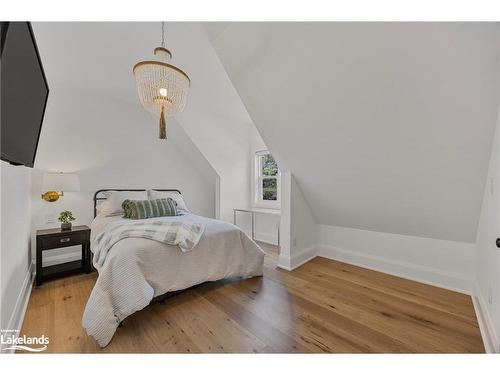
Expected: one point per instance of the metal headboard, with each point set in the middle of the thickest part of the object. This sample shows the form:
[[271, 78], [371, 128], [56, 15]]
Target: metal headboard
[[103, 198]]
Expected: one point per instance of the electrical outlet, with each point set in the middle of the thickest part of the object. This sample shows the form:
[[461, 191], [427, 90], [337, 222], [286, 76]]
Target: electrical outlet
[[49, 219], [490, 295]]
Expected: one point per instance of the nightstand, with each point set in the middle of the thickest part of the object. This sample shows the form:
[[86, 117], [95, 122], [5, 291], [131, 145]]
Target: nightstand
[[48, 239]]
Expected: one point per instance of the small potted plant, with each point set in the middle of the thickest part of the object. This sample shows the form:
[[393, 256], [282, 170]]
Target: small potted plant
[[66, 217]]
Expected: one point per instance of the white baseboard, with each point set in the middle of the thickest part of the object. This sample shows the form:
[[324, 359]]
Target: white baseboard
[[297, 259], [442, 279], [490, 338], [270, 238], [17, 318]]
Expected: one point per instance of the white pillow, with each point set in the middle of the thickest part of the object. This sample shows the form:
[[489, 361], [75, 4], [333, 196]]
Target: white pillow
[[114, 199], [102, 207], [154, 194]]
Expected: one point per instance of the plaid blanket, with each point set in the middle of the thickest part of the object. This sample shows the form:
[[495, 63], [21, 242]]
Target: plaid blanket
[[184, 234]]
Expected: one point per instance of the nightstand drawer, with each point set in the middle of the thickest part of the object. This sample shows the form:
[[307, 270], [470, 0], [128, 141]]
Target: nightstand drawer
[[62, 241]]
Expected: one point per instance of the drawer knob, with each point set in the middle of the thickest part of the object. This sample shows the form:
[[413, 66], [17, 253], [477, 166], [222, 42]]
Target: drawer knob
[[65, 239]]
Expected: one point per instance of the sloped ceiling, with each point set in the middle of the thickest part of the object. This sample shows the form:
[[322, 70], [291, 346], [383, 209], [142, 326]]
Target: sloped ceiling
[[386, 126], [97, 57]]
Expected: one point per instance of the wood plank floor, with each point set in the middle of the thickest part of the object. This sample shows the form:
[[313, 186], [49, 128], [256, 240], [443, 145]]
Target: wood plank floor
[[324, 306]]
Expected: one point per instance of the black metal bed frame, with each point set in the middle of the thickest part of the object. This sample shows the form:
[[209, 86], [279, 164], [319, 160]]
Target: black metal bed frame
[[98, 198]]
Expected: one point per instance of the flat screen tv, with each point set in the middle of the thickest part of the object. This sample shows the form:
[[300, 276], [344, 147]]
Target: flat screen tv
[[23, 95]]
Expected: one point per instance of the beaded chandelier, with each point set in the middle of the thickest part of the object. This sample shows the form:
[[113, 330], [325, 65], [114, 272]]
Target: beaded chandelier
[[162, 87]]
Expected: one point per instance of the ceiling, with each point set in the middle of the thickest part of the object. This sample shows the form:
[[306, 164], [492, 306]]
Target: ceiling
[[99, 56], [214, 29], [386, 126]]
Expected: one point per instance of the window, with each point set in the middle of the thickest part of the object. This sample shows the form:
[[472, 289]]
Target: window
[[267, 180]]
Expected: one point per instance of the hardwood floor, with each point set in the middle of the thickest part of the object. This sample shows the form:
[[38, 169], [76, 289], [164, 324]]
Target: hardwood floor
[[324, 306]]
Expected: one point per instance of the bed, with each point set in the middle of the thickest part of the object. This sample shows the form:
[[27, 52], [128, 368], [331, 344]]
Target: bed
[[136, 270]]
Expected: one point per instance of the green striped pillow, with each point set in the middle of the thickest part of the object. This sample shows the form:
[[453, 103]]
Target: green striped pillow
[[151, 208]]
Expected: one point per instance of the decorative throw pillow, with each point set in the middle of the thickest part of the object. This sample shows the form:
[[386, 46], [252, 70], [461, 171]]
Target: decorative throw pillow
[[113, 204], [149, 208], [181, 205]]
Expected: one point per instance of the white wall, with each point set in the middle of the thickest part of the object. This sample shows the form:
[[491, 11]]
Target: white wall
[[385, 126], [285, 255], [304, 239], [216, 120], [111, 144], [487, 265], [265, 226], [448, 264], [15, 251], [298, 228]]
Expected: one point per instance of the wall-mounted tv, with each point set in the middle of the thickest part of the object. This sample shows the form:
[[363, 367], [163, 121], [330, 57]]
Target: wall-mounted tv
[[23, 94]]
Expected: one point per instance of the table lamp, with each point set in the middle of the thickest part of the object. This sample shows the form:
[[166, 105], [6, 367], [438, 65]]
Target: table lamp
[[55, 184]]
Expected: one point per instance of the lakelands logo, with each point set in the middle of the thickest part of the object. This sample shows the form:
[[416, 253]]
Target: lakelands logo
[[11, 338]]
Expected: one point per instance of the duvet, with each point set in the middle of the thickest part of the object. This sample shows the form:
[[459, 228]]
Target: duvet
[[138, 269]]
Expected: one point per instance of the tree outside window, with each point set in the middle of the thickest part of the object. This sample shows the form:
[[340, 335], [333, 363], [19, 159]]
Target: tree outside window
[[267, 179]]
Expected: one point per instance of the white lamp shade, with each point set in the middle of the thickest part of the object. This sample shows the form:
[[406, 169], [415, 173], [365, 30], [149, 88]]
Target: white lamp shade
[[60, 182]]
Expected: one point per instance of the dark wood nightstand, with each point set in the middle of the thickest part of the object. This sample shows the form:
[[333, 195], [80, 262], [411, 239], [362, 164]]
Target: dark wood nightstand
[[48, 239]]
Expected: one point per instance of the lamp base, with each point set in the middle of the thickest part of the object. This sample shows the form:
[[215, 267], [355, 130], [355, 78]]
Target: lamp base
[[51, 196]]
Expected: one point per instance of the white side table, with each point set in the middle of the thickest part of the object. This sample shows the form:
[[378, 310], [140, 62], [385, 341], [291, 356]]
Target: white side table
[[252, 212]]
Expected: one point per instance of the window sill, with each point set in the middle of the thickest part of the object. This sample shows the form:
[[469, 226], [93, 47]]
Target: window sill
[[264, 211], [275, 207]]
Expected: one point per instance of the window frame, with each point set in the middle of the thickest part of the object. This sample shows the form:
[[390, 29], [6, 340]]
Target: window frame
[[258, 180]]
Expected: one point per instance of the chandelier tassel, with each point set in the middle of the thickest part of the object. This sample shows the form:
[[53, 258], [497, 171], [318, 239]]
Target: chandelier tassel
[[163, 125]]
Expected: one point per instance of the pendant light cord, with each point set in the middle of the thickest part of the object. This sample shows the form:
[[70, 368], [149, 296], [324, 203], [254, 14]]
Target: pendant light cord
[[163, 34]]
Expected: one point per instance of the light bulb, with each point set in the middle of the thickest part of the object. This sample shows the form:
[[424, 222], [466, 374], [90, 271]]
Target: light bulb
[[163, 92]]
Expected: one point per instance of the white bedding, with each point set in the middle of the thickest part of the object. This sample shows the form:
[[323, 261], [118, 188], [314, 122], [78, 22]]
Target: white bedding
[[137, 269]]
